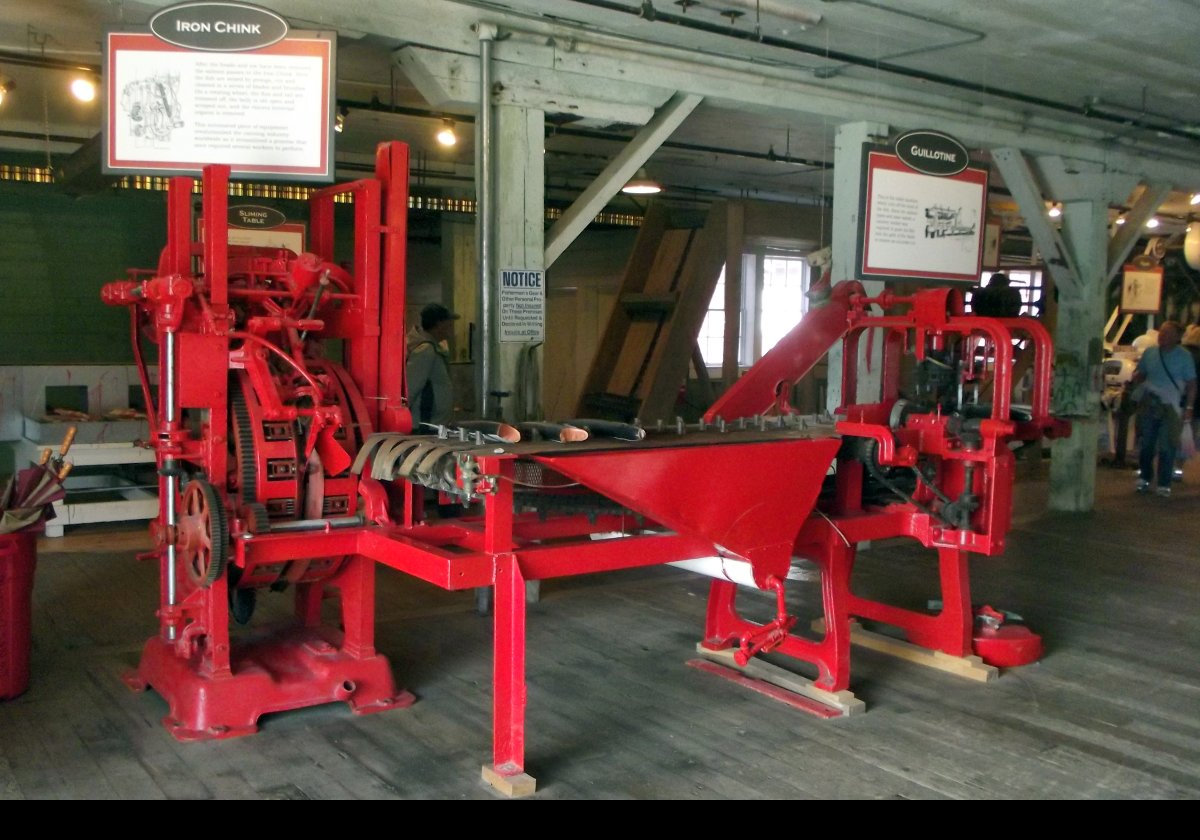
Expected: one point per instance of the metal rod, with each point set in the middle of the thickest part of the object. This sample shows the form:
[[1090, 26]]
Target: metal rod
[[169, 419], [318, 524], [487, 33], [171, 550], [169, 386]]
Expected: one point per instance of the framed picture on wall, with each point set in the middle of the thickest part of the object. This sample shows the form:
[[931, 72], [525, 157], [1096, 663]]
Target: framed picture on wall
[[1141, 289]]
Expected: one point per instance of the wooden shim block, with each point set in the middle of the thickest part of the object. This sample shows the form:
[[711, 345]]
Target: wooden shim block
[[515, 786], [841, 703], [766, 689], [970, 667]]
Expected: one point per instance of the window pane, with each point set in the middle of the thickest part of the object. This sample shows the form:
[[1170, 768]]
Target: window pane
[[785, 280], [712, 330]]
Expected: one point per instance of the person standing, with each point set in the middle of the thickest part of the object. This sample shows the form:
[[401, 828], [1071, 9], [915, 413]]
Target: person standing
[[996, 300], [1191, 343], [430, 392], [1166, 380]]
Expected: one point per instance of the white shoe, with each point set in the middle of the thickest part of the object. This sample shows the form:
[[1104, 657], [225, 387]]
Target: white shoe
[[1162, 491]]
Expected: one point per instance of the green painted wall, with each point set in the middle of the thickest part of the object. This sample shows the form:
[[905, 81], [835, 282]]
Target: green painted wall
[[56, 252]]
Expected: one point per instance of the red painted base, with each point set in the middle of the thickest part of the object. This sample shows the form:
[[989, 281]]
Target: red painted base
[[290, 670], [1008, 645]]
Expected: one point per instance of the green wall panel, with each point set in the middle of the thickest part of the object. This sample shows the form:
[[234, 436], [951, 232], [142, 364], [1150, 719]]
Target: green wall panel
[[56, 254]]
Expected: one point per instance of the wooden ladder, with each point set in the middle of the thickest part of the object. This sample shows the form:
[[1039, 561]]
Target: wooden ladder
[[644, 354]]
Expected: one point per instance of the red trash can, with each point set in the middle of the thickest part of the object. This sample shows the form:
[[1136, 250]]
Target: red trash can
[[18, 557]]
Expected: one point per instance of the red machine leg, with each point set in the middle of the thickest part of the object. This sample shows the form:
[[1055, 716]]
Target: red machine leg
[[831, 655], [948, 631], [507, 772]]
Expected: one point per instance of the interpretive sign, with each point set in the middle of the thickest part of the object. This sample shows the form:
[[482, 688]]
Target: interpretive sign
[[219, 83]]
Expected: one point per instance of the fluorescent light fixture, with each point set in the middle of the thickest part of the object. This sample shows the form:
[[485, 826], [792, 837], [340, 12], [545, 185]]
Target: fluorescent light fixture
[[1055, 211], [642, 184], [1152, 223], [446, 135], [1195, 199], [83, 89], [1120, 220]]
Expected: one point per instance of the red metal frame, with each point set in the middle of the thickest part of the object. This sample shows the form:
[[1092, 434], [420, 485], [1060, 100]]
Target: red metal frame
[[262, 314]]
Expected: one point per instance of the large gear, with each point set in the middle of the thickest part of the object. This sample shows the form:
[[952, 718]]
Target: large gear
[[244, 446], [202, 534]]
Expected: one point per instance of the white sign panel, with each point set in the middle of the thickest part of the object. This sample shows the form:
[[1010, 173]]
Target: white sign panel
[[522, 305], [264, 112], [921, 226]]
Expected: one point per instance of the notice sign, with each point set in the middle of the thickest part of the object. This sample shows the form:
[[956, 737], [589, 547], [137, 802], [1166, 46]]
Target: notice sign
[[522, 305], [916, 225], [173, 107]]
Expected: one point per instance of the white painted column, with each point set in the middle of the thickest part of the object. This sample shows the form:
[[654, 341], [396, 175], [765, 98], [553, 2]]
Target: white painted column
[[1079, 356], [847, 189], [520, 231]]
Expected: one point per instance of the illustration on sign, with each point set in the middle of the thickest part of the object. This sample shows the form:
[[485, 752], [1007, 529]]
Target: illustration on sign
[[942, 221], [522, 305], [151, 106]]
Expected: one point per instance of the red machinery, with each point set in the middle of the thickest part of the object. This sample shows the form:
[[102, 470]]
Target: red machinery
[[255, 428], [254, 431]]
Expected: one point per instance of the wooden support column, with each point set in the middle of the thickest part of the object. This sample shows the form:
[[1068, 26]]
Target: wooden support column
[[520, 230], [847, 186], [1079, 357], [735, 227], [1081, 259], [460, 282]]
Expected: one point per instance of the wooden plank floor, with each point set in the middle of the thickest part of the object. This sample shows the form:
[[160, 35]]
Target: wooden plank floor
[[1113, 710]]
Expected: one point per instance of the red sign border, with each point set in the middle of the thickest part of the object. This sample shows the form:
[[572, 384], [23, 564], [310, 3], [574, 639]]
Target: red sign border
[[297, 43], [876, 159]]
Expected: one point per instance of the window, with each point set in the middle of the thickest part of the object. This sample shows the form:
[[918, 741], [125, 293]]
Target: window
[[712, 331], [785, 281], [773, 301]]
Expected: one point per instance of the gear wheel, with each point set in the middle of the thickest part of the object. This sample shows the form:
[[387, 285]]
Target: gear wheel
[[202, 534], [256, 518], [244, 452]]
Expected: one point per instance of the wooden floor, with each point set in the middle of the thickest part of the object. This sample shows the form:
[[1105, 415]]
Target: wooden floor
[[1113, 710]]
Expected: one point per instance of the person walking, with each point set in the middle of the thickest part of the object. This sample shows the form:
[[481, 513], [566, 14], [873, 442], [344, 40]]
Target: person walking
[[1166, 396]]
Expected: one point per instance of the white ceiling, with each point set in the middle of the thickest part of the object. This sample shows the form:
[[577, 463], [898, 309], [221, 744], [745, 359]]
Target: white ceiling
[[1129, 71]]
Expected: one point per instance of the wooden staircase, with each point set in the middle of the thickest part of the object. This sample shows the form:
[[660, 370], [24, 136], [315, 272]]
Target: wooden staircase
[[643, 356]]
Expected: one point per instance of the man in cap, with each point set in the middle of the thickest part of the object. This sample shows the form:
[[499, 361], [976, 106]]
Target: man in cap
[[430, 393]]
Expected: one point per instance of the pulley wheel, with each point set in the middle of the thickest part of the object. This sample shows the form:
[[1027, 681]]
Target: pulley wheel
[[202, 535]]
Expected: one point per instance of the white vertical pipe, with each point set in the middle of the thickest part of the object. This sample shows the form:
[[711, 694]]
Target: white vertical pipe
[[487, 221]]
